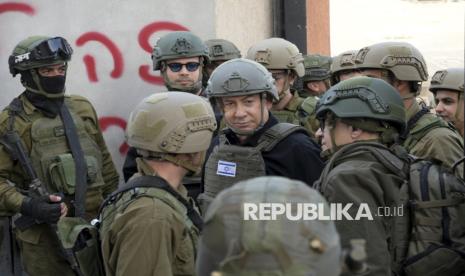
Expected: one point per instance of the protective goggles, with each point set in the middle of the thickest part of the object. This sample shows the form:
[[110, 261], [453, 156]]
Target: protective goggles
[[190, 66], [51, 49]]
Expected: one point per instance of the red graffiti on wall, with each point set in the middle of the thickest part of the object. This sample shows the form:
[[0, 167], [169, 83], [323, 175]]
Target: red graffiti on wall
[[89, 60], [144, 35], [106, 122], [17, 7]]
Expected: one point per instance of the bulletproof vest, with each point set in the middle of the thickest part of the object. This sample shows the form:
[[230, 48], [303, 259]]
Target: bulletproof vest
[[229, 164], [51, 156], [119, 200], [289, 115]]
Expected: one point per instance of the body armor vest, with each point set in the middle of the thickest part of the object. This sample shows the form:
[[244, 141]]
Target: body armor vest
[[229, 164]]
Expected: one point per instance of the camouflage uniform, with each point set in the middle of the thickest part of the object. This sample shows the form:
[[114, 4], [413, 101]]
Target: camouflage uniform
[[41, 136]]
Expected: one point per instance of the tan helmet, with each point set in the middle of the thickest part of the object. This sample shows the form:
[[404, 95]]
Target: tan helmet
[[448, 79], [401, 58], [171, 123], [342, 62], [234, 245], [277, 53]]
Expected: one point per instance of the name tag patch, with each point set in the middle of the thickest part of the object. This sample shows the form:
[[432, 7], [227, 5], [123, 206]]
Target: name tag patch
[[226, 168]]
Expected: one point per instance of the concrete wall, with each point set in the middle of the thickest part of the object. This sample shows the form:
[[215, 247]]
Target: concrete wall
[[243, 22]]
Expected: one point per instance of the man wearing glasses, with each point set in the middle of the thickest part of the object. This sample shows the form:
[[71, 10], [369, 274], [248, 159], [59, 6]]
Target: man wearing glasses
[[53, 158]]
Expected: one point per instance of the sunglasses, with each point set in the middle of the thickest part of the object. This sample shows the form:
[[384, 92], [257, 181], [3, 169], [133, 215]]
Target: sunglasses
[[190, 66]]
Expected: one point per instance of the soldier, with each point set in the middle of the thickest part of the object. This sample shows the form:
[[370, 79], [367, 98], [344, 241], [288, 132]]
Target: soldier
[[50, 143], [343, 67], [231, 245], [220, 50], [149, 226], [447, 87], [357, 115], [315, 82], [403, 66], [254, 143], [180, 57], [285, 62]]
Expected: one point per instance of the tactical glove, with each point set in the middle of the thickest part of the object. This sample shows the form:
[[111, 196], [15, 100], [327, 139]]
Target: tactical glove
[[41, 209]]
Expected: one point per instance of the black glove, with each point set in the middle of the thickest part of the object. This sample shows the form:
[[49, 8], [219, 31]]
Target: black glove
[[41, 209]]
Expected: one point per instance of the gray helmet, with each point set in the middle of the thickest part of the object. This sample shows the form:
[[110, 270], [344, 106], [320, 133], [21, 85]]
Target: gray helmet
[[178, 44], [235, 246], [401, 58], [365, 98], [317, 67], [222, 49], [277, 53], [239, 77], [35, 52], [170, 123], [448, 79], [342, 62]]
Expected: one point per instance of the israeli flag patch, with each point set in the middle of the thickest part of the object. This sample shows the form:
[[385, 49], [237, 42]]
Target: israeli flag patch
[[226, 168]]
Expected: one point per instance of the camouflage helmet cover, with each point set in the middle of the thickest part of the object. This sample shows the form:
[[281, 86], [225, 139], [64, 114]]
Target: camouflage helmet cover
[[171, 122], [364, 97], [277, 53], [240, 77], [280, 246], [448, 79], [317, 67], [180, 44], [222, 49]]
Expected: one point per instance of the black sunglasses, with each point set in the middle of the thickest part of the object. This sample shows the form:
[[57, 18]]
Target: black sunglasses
[[190, 66]]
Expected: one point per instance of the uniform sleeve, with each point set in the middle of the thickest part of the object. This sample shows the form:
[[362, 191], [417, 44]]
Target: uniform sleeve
[[441, 144], [347, 186]]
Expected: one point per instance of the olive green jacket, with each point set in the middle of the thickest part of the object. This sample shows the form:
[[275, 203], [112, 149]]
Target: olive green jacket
[[354, 175], [149, 236], [288, 114], [440, 143]]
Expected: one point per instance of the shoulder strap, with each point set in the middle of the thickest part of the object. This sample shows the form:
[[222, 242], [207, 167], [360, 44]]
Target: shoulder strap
[[413, 121], [276, 134], [146, 181], [79, 160]]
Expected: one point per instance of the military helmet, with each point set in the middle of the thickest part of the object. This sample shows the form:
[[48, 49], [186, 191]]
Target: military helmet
[[317, 67], [240, 77], [401, 58], [176, 45], [38, 51], [222, 49], [364, 97], [171, 122], [343, 61], [234, 245], [448, 79], [277, 53]]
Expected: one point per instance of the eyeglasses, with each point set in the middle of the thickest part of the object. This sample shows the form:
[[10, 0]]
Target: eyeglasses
[[190, 66], [278, 76], [51, 49]]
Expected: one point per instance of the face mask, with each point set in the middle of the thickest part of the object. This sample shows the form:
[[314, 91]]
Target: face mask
[[53, 85]]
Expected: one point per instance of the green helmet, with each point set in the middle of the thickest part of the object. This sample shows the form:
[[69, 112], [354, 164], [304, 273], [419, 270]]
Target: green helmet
[[448, 79], [176, 45], [171, 123], [277, 53], [35, 52], [317, 67], [342, 62], [365, 98], [400, 58], [222, 49], [234, 245], [240, 77]]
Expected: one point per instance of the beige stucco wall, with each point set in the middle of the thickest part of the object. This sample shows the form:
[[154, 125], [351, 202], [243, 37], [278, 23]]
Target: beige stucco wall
[[243, 22]]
